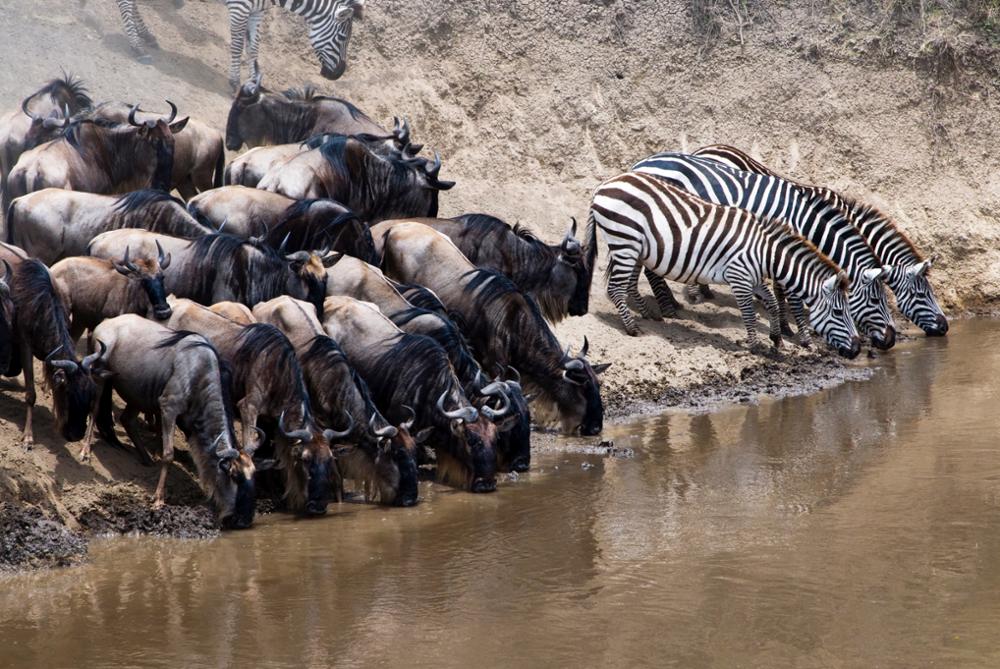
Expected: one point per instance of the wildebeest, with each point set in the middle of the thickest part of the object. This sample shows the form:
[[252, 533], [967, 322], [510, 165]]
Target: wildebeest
[[100, 156], [504, 326], [41, 330], [299, 225], [38, 119], [267, 383], [357, 172], [405, 370], [141, 243], [95, 289], [234, 311], [384, 457], [178, 376], [261, 117], [53, 223], [355, 278], [247, 169], [220, 267], [7, 333], [558, 276]]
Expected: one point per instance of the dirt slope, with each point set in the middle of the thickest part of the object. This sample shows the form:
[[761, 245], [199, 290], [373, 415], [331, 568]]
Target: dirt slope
[[531, 103]]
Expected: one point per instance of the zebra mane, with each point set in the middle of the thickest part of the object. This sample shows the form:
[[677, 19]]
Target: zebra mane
[[781, 231], [858, 209]]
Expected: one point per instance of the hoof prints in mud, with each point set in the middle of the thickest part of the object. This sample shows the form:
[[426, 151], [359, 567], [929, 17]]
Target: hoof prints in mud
[[117, 512], [29, 540]]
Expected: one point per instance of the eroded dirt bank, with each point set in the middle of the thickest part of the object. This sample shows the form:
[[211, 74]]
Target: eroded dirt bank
[[531, 104]]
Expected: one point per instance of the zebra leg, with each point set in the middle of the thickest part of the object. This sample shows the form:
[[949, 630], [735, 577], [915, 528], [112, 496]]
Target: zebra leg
[[237, 38], [143, 31], [773, 314], [691, 294], [664, 296], [620, 276], [254, 33], [706, 291], [743, 286], [799, 311], [635, 296], [779, 294], [129, 14]]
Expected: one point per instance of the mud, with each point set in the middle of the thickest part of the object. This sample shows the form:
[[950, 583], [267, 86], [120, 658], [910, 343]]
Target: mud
[[30, 540]]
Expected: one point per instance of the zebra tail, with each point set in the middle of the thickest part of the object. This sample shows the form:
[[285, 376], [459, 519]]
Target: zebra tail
[[591, 255]]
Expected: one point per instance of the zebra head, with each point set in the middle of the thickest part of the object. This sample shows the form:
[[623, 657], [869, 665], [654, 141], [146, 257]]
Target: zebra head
[[830, 316], [870, 308], [330, 35], [915, 298]]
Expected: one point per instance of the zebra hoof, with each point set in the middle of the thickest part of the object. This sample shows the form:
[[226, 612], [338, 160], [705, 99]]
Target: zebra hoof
[[776, 340], [144, 58], [633, 331], [805, 343], [786, 330]]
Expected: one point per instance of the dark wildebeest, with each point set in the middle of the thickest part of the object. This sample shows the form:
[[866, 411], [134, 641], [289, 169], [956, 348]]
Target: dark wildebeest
[[355, 278], [384, 459], [504, 326], [558, 276], [100, 156], [267, 383], [178, 376], [38, 119], [94, 289], [261, 117], [8, 344], [53, 223], [357, 172], [41, 330], [413, 371]]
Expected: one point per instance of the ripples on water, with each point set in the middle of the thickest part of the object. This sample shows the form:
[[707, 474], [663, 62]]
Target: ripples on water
[[856, 527]]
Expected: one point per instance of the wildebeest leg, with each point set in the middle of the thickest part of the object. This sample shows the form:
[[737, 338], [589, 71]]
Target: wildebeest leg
[[88, 439], [779, 294], [27, 366], [130, 421], [771, 304], [237, 37], [661, 291], [168, 417]]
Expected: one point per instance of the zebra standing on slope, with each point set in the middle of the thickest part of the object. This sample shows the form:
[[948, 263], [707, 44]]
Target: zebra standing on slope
[[907, 275], [673, 234], [329, 21], [816, 220]]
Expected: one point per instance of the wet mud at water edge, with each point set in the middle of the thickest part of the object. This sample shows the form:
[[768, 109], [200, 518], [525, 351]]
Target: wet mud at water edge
[[855, 527]]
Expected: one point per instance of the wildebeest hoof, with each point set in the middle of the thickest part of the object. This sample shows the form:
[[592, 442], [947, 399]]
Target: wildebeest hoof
[[158, 505]]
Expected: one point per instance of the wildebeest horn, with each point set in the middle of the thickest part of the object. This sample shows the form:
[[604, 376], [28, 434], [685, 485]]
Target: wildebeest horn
[[59, 364], [222, 451], [7, 272], [468, 414], [28, 112], [495, 389], [173, 112], [222, 225], [387, 432], [493, 414], [102, 348], [413, 416], [337, 434], [284, 243], [128, 263], [163, 259], [570, 244], [300, 434], [515, 375], [433, 171], [298, 256], [131, 115], [586, 347]]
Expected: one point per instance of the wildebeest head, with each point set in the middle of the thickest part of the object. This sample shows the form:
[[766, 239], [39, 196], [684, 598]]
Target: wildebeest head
[[232, 483], [6, 317], [311, 273], [159, 134], [473, 464], [395, 463], [43, 127], [73, 392], [311, 475], [59, 99], [576, 395], [149, 274], [246, 122], [330, 35], [513, 420]]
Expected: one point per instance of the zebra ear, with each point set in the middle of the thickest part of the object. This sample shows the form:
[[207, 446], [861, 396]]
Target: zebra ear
[[344, 14], [830, 285], [874, 274], [920, 268]]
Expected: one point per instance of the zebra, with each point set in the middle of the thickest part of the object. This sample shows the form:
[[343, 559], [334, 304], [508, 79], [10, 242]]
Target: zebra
[[648, 223], [329, 21], [907, 268], [816, 220]]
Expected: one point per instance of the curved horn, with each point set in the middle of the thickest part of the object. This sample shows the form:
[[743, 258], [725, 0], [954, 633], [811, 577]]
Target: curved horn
[[586, 347], [495, 389], [128, 263], [222, 225], [284, 243], [338, 434], [68, 365], [162, 258], [28, 112], [300, 434], [493, 414], [173, 112], [413, 417], [515, 375], [436, 167], [131, 116], [387, 432], [223, 451], [93, 357], [468, 414]]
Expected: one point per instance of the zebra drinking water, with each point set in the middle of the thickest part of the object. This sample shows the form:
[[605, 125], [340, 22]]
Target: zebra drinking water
[[673, 234], [816, 220], [329, 21], [907, 268]]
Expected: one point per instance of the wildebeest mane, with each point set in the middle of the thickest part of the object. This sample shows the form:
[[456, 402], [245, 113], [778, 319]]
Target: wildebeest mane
[[67, 90], [449, 337], [154, 210], [339, 231], [257, 273], [529, 259], [322, 359], [262, 341], [141, 199], [428, 371], [309, 94], [39, 311]]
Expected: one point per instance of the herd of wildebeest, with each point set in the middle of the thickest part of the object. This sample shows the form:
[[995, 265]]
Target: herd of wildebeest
[[307, 291]]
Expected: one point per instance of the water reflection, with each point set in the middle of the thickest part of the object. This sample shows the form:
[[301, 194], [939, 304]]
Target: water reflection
[[854, 527]]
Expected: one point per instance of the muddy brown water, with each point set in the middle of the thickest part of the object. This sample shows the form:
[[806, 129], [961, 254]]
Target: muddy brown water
[[856, 527]]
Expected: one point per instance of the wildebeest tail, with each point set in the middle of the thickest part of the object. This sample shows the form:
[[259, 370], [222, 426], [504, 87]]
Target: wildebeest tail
[[105, 419], [220, 167], [9, 219]]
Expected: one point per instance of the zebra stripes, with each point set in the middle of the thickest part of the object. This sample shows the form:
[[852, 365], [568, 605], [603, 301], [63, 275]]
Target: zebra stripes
[[329, 21], [649, 223], [907, 269], [816, 220]]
